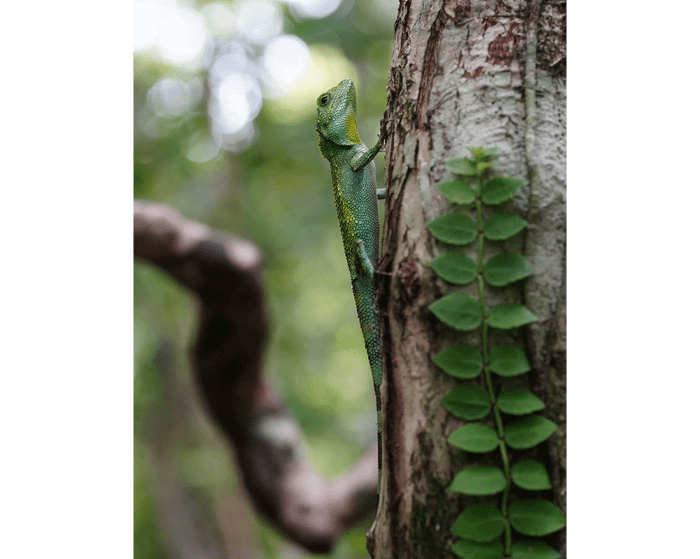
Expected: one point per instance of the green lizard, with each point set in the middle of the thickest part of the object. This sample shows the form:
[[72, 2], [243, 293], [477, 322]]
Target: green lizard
[[356, 194]]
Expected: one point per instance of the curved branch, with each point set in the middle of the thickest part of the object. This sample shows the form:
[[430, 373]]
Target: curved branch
[[224, 272]]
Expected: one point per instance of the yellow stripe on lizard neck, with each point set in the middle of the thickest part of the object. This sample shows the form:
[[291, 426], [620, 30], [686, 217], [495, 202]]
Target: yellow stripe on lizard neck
[[352, 130]]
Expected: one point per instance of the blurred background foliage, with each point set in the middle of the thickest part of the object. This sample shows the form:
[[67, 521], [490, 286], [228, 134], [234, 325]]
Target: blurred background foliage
[[224, 131]]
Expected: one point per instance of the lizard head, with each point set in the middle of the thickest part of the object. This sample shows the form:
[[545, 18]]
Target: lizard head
[[336, 114]]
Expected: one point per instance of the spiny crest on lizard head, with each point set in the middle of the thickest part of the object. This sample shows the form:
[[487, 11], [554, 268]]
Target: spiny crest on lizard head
[[336, 114]]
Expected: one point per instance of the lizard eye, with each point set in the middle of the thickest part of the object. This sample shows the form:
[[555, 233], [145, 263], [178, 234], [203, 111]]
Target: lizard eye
[[324, 99]]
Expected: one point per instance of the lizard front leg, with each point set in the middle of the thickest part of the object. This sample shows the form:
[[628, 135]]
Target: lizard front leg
[[360, 160]]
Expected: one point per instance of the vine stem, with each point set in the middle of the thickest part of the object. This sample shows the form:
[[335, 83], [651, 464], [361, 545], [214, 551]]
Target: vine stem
[[485, 348]]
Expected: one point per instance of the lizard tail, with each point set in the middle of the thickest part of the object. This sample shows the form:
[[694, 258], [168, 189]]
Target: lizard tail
[[373, 346], [378, 397], [365, 299], [375, 362]]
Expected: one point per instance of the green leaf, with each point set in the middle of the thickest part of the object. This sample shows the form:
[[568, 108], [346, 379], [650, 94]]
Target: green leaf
[[503, 226], [508, 360], [536, 517], [480, 523], [511, 315], [473, 550], [529, 431], [459, 361], [519, 401], [458, 310], [457, 192], [531, 475], [481, 166], [455, 267], [481, 153], [453, 228], [462, 166], [533, 549], [479, 480], [499, 189], [474, 437], [468, 401], [505, 268]]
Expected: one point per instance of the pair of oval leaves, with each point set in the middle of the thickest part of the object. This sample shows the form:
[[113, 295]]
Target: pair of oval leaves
[[459, 229], [465, 362], [531, 517], [462, 312], [489, 480], [502, 269], [524, 432]]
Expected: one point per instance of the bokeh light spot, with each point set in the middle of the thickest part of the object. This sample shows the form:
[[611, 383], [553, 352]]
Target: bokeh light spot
[[183, 37], [240, 101], [258, 21], [284, 62], [313, 9]]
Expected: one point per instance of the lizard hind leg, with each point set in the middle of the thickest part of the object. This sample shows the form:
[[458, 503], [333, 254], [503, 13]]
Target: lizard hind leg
[[361, 256]]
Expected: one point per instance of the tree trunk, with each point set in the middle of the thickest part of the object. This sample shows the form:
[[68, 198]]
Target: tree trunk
[[466, 74]]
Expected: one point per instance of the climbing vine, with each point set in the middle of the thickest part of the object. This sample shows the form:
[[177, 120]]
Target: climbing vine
[[502, 420]]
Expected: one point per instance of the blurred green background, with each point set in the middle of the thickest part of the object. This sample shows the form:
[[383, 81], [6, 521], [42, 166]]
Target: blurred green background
[[224, 131]]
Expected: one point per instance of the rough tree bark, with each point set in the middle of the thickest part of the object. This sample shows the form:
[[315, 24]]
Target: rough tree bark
[[465, 73]]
